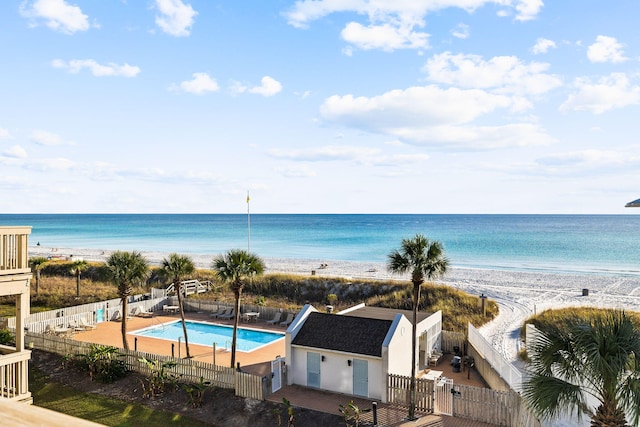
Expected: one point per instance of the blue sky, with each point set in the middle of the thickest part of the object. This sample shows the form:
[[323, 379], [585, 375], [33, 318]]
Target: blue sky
[[319, 106]]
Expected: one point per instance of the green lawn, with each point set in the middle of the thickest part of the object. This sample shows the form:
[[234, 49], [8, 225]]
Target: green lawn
[[100, 409]]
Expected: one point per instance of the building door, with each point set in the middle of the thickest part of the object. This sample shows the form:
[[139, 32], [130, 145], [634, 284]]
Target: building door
[[360, 377], [313, 369], [276, 374]]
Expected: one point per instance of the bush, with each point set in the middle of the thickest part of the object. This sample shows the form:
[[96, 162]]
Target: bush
[[160, 379], [6, 337], [103, 363]]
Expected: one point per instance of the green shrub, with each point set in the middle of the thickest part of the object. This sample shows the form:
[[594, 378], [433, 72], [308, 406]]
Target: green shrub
[[196, 392], [160, 379], [103, 363], [6, 337]]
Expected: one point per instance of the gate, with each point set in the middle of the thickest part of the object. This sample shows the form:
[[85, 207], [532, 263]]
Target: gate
[[444, 396], [276, 375]]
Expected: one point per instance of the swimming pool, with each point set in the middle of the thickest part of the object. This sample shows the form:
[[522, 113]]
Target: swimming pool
[[207, 334]]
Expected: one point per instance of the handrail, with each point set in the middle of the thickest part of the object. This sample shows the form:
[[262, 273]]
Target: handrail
[[14, 249]]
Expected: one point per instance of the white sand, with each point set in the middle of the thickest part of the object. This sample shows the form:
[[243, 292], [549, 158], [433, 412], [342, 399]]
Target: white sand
[[519, 294]]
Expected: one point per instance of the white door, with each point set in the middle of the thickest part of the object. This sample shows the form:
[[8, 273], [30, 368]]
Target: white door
[[443, 396], [313, 369], [360, 377], [276, 375]]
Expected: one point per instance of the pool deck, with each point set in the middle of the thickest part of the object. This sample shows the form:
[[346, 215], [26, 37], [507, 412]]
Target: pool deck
[[256, 361]]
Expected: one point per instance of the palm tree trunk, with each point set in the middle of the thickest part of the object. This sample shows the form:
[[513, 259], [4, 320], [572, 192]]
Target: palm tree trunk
[[78, 284], [414, 328], [123, 327], [235, 328], [37, 280], [184, 325]]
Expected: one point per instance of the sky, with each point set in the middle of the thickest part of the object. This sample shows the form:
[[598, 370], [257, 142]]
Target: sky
[[319, 106]]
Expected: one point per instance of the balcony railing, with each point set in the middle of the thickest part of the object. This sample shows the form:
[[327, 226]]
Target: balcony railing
[[14, 374], [14, 251]]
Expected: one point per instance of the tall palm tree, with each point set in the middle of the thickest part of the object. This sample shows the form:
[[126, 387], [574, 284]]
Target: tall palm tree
[[37, 264], [580, 358], [424, 259], [76, 269], [177, 267], [235, 267], [127, 269]]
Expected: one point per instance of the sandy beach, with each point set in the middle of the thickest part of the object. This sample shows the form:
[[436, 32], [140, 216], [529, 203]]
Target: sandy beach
[[519, 294]]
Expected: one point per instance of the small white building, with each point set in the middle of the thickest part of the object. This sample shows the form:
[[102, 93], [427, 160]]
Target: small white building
[[351, 352]]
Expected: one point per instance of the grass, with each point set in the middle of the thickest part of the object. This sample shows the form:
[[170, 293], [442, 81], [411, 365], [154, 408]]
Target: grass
[[109, 411], [561, 316]]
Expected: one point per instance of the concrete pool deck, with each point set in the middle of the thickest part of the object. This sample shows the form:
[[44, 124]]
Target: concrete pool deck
[[256, 361]]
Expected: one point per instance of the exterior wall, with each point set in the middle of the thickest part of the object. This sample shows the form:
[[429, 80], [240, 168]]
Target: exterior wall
[[336, 374], [399, 347], [293, 364]]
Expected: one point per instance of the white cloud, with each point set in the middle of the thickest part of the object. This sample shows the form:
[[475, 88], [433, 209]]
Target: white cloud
[[542, 46], [387, 36], [42, 137], [391, 25], [609, 92], [57, 14], [606, 49], [327, 153], [504, 74], [297, 171], [269, 87], [528, 9], [200, 84], [15, 152], [76, 65], [429, 115], [176, 18], [4, 134], [460, 31]]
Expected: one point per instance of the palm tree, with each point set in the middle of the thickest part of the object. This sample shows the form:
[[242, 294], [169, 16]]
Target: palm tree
[[177, 267], [127, 269], [580, 358], [37, 264], [78, 267], [424, 259], [235, 267]]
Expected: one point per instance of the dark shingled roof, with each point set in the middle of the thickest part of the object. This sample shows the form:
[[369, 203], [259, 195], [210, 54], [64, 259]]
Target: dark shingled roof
[[344, 333]]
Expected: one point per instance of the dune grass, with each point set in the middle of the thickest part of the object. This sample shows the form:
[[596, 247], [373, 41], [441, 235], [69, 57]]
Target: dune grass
[[57, 289], [105, 410]]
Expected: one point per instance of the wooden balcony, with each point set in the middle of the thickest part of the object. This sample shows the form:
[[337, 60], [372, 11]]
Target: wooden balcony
[[14, 374], [14, 251]]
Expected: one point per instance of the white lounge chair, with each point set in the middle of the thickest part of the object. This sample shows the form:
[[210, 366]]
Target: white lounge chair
[[288, 320], [276, 319], [141, 312], [221, 313], [82, 322], [215, 312], [228, 315]]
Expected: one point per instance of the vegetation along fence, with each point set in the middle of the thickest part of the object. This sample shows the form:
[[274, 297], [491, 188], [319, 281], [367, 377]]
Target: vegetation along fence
[[188, 370]]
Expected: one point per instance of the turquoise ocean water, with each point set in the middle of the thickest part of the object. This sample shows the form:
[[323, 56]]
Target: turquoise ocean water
[[592, 244]]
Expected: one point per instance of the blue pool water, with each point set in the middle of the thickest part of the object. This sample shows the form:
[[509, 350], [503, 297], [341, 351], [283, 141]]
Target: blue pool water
[[208, 334]]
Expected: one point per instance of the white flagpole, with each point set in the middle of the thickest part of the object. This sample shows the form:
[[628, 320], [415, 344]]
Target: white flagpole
[[248, 225]]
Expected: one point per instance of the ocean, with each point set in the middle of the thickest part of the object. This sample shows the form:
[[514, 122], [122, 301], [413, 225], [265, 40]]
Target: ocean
[[584, 244]]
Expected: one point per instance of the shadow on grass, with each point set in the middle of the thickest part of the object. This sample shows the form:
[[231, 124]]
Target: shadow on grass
[[99, 409]]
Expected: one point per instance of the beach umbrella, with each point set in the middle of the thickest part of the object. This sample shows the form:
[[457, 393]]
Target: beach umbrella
[[634, 204]]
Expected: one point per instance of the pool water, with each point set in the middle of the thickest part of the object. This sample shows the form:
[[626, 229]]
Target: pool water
[[207, 334]]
